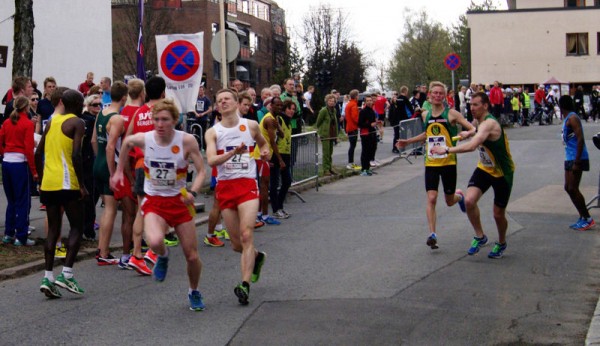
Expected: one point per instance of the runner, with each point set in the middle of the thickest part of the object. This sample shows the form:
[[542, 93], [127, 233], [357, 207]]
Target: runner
[[576, 161], [60, 165], [495, 169], [228, 147], [166, 155], [440, 130]]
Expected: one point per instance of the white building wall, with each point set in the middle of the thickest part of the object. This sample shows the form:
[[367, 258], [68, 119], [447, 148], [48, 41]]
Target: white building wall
[[71, 38], [530, 47]]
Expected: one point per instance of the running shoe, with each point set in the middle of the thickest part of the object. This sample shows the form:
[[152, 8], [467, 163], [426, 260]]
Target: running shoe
[[8, 239], [259, 223], [196, 303], [139, 265], [269, 220], [42, 207], [432, 242], [242, 292], [171, 240], [287, 215], [97, 253], [280, 214], [350, 166], [222, 234], [49, 289], [160, 268], [151, 256], [461, 201], [213, 241], [574, 226], [476, 244], [30, 229], [124, 263], [60, 252], [107, 261], [366, 173], [583, 225], [28, 242], [69, 284], [258, 263], [497, 251]]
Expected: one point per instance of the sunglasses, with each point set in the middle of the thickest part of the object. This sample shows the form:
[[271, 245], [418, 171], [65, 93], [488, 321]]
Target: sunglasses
[[35, 99], [96, 104]]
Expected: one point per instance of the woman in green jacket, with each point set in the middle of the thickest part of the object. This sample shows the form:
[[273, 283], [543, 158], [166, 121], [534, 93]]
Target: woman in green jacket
[[327, 129]]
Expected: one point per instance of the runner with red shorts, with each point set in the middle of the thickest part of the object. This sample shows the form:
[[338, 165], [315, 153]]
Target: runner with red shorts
[[228, 147]]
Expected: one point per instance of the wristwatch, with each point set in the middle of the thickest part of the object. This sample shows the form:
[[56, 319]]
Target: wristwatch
[[194, 193], [447, 150]]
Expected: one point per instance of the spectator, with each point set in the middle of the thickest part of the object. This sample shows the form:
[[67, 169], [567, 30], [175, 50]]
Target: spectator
[[367, 121], [93, 104], [496, 100], [21, 86], [282, 168], [105, 84], [45, 108], [578, 98], [307, 110], [327, 129], [525, 100], [400, 108], [200, 116], [351, 118], [17, 146], [84, 87], [34, 85]]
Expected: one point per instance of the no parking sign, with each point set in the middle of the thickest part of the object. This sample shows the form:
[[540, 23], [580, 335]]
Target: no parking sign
[[180, 63]]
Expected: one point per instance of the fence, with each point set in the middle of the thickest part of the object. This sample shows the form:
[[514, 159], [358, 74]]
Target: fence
[[410, 128], [305, 158]]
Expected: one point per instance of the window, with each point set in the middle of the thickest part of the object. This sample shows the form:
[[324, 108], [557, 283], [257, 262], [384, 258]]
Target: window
[[245, 6], [574, 3], [597, 3], [254, 47], [577, 44]]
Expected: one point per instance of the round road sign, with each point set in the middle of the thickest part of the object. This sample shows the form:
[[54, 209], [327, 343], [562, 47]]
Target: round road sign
[[180, 60], [452, 61]]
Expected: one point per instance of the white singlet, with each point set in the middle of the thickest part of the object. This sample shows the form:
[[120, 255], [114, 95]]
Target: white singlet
[[228, 138], [165, 167]]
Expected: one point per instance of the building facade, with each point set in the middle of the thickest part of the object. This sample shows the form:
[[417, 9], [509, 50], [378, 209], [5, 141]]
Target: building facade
[[535, 40], [259, 25], [70, 39]]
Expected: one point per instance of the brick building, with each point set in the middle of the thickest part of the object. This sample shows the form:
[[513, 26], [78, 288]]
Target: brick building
[[259, 24]]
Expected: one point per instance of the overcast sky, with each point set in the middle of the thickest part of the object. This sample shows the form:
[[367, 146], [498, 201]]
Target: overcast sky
[[377, 25]]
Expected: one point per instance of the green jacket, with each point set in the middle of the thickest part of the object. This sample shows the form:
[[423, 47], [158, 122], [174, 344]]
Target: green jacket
[[324, 119]]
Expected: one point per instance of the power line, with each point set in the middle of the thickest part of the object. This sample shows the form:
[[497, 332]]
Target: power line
[[11, 17]]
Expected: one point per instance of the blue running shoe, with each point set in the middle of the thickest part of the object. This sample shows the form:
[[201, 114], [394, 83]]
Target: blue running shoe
[[271, 221], [583, 225], [196, 303], [160, 268], [461, 202], [476, 244], [497, 251], [432, 242], [576, 224]]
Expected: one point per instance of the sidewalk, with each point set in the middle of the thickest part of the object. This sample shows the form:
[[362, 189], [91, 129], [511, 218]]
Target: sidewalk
[[37, 217]]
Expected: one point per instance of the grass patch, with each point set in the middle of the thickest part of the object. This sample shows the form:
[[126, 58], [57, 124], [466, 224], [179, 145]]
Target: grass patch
[[12, 256]]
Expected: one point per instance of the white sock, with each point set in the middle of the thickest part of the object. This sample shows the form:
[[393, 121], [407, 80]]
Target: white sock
[[259, 215], [190, 290], [67, 272], [265, 216], [59, 244], [48, 274], [219, 227], [210, 235]]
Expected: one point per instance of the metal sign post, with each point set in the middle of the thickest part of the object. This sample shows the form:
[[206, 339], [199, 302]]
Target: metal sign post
[[224, 65]]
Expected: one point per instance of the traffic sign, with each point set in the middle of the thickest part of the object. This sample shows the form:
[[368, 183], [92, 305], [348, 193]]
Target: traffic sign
[[232, 43], [452, 61], [180, 60]]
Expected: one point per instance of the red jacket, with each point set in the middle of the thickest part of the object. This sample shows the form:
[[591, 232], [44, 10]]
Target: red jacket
[[18, 138], [496, 97], [351, 114], [539, 96]]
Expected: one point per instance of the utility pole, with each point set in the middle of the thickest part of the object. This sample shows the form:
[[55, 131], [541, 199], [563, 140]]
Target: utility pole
[[224, 66]]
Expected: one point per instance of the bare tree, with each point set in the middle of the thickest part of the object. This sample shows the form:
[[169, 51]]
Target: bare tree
[[23, 38], [125, 32]]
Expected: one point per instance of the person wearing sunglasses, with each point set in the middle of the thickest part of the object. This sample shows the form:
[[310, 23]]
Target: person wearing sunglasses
[[93, 106]]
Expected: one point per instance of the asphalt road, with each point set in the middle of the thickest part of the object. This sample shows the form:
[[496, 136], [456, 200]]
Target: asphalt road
[[351, 267]]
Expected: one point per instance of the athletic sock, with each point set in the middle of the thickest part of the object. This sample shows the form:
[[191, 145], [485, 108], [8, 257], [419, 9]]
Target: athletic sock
[[48, 274], [265, 217], [219, 227], [67, 272], [210, 235], [259, 215]]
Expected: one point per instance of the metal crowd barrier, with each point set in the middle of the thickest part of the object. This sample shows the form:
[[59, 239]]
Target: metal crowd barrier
[[410, 128], [305, 158]]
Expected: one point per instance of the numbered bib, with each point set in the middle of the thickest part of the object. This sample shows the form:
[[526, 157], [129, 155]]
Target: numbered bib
[[436, 141], [238, 162], [163, 174], [485, 158]]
